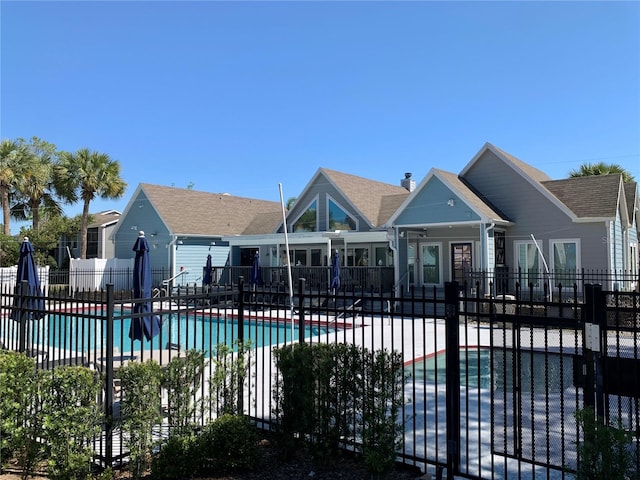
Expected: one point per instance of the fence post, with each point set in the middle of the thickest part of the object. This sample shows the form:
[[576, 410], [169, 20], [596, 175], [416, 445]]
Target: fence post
[[600, 320], [240, 387], [301, 283], [452, 333], [108, 403], [594, 326]]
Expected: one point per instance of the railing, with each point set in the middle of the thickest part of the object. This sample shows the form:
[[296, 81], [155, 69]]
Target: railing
[[501, 404], [318, 278]]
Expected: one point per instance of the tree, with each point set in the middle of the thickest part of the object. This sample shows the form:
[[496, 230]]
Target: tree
[[84, 175], [601, 168], [9, 250], [35, 185], [48, 239], [12, 155]]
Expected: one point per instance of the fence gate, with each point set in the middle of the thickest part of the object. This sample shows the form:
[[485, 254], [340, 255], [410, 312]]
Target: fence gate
[[511, 401]]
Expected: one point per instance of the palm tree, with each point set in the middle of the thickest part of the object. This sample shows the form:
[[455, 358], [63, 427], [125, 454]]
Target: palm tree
[[601, 168], [12, 155], [84, 175], [35, 186]]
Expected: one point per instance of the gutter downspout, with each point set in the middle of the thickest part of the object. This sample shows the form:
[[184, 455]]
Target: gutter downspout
[[484, 241], [170, 255], [485, 251]]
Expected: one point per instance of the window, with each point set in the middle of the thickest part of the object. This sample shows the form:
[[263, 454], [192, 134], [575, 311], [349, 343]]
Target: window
[[308, 221], [528, 264], [306, 257], [431, 261], [316, 257], [357, 257], [565, 261], [299, 257], [339, 219], [383, 256], [92, 243]]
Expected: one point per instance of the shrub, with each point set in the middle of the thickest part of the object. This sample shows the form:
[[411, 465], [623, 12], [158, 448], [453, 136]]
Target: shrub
[[140, 410], [20, 418], [230, 443], [230, 371], [71, 420], [604, 451], [181, 378], [295, 393], [382, 400], [177, 458], [328, 393]]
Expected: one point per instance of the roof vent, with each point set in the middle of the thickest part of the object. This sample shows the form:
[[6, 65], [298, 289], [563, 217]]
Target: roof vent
[[407, 182]]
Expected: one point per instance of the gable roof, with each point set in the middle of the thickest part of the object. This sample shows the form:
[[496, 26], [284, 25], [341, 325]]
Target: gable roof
[[458, 187], [191, 212], [375, 201], [594, 196], [471, 198], [104, 218], [631, 192], [532, 175]]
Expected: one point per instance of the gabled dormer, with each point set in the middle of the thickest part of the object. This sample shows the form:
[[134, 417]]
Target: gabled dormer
[[335, 200]]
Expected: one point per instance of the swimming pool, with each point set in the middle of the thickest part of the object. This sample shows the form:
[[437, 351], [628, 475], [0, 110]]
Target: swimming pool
[[78, 333], [480, 369]]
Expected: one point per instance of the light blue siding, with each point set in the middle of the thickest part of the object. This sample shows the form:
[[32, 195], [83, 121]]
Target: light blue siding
[[617, 242], [430, 205], [194, 257]]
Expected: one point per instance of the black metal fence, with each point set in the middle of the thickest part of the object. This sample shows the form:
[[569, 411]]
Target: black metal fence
[[493, 381]]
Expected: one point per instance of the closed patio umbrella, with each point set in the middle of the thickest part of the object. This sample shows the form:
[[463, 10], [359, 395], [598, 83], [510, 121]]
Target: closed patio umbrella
[[256, 270], [335, 272], [28, 272], [144, 324], [207, 279]]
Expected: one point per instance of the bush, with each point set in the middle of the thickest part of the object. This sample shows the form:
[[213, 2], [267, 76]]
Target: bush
[[230, 371], [328, 393], [182, 378], [140, 410], [381, 409], [604, 451], [176, 458], [230, 443], [71, 420], [20, 416]]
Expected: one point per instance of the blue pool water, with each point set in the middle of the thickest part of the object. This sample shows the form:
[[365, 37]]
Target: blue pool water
[[192, 332], [478, 368]]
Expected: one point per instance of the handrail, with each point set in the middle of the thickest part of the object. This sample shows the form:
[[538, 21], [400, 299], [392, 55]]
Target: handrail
[[169, 280], [399, 282]]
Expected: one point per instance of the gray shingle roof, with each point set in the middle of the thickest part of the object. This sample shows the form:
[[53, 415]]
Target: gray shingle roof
[[534, 173], [103, 218], [631, 192], [377, 201], [594, 196], [200, 213]]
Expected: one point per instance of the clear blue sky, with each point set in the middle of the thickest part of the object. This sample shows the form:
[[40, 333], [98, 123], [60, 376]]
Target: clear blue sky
[[241, 96]]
